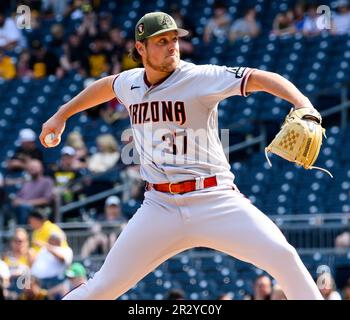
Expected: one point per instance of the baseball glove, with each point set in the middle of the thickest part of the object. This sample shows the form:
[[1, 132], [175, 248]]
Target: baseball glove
[[299, 139]]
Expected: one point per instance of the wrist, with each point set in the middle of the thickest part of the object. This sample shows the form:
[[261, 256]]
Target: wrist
[[303, 103], [60, 115]]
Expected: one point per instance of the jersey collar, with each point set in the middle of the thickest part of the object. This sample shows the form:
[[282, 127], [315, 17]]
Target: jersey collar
[[150, 86]]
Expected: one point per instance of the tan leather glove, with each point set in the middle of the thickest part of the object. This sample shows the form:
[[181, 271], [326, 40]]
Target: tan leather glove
[[299, 139]]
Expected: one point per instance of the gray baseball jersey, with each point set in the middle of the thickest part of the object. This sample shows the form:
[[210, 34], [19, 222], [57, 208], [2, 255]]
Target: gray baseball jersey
[[167, 119], [175, 122]]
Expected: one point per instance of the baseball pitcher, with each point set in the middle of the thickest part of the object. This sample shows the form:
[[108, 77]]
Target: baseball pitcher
[[191, 199]]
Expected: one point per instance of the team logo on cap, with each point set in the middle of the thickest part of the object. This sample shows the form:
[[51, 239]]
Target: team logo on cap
[[140, 29], [166, 20]]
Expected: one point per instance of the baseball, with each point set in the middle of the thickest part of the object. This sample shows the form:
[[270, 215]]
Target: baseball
[[49, 139]]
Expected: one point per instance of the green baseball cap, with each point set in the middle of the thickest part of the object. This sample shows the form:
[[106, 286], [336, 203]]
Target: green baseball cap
[[76, 270], [154, 23]]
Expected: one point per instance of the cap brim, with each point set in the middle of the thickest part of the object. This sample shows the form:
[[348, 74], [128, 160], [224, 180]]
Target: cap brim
[[180, 32], [70, 274]]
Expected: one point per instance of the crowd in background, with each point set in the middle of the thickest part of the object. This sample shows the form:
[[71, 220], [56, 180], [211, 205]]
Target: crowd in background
[[303, 18], [96, 47], [99, 46]]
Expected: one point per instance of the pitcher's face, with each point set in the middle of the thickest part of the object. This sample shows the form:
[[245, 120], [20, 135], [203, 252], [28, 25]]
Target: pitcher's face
[[161, 52]]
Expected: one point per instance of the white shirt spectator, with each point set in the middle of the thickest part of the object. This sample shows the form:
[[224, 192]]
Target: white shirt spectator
[[4, 271], [102, 161], [341, 23], [47, 265], [312, 25], [9, 32], [243, 27], [335, 295]]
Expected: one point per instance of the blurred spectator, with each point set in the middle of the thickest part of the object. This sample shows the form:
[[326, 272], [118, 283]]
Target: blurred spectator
[[277, 293], [96, 244], [26, 151], [88, 28], [20, 257], [182, 21], [10, 35], [341, 19], [246, 26], [57, 7], [72, 59], [312, 22], [116, 41], [100, 242], [115, 47], [98, 58], [326, 285], [107, 156], [75, 276], [57, 39], [219, 25], [134, 183], [113, 211], [343, 240], [186, 47], [104, 25], [76, 141], [43, 62], [262, 288], [175, 294], [7, 66], [94, 112], [346, 291], [77, 9], [23, 67], [225, 296], [114, 111], [299, 16], [65, 175], [2, 291], [34, 291], [4, 279], [52, 260], [37, 192], [43, 229], [284, 24], [3, 196], [126, 61]]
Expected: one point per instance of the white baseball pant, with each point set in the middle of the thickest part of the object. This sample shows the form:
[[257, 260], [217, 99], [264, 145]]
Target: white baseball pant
[[219, 218]]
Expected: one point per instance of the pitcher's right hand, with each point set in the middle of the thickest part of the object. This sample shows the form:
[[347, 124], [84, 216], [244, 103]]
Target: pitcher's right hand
[[55, 125]]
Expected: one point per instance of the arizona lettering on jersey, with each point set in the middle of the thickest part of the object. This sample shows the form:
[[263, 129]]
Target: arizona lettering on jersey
[[151, 111], [175, 123]]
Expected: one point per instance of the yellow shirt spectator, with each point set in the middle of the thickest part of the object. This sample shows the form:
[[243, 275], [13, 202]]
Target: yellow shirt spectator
[[19, 257], [7, 67], [43, 233]]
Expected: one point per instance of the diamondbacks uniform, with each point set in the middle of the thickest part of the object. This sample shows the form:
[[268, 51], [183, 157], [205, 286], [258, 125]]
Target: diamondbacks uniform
[[175, 131], [186, 118]]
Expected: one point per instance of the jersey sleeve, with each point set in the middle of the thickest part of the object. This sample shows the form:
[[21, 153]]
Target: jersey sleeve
[[117, 86], [221, 82]]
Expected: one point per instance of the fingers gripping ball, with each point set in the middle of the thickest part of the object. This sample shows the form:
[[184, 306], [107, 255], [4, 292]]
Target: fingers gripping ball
[[50, 140]]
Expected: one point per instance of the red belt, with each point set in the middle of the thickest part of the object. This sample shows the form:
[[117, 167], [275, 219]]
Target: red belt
[[184, 186]]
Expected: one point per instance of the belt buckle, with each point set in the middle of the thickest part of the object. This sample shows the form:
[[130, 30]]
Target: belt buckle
[[172, 192]]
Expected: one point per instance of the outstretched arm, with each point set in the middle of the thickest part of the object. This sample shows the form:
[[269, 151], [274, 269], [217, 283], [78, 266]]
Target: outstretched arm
[[98, 92], [278, 86]]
